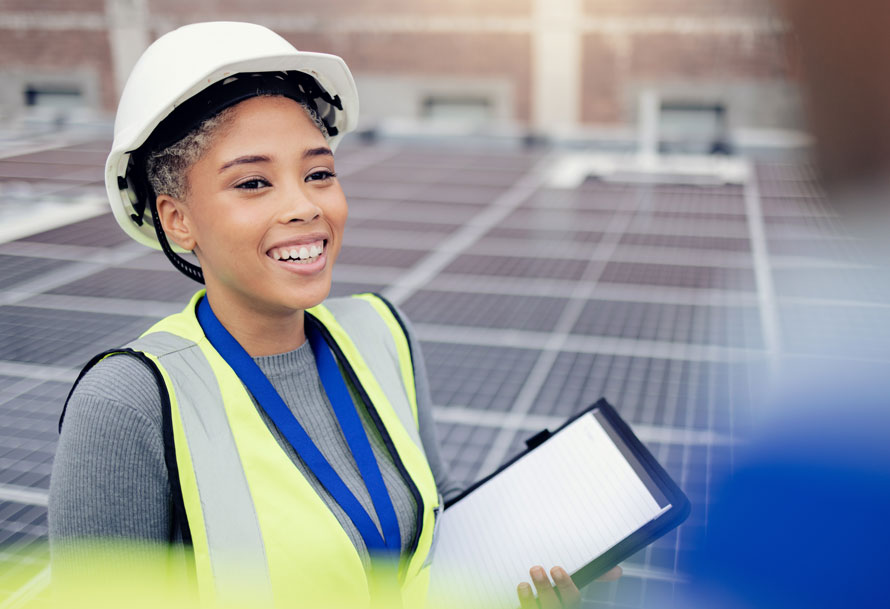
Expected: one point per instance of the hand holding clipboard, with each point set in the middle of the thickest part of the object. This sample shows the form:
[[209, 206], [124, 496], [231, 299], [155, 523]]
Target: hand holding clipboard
[[597, 497]]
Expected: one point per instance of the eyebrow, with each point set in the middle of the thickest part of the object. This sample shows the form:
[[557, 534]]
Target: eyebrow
[[261, 158], [320, 151], [244, 160]]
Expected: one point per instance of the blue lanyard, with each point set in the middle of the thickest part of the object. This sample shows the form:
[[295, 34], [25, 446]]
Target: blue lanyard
[[350, 423]]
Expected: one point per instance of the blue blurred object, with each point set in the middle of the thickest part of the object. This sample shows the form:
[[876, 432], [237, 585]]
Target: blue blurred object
[[802, 521]]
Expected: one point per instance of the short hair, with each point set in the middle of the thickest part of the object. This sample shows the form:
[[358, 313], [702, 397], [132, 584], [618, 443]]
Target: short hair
[[167, 167]]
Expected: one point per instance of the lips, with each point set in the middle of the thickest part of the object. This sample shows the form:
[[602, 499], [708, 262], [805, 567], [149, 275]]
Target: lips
[[304, 256]]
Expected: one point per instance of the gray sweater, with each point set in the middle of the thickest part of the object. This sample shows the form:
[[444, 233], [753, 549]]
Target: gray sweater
[[109, 478]]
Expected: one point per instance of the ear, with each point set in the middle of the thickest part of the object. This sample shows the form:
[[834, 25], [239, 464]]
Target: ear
[[175, 221]]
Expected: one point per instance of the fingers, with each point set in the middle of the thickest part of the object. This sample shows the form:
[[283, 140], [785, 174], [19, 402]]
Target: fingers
[[546, 594], [547, 597], [526, 597], [568, 591], [611, 575]]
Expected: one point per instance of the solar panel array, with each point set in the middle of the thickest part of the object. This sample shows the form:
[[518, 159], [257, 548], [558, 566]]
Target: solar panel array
[[531, 302]]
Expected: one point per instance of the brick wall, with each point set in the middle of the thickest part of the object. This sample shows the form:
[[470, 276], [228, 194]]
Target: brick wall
[[296, 8], [60, 50], [632, 43], [701, 57], [444, 54], [677, 8], [601, 77], [610, 63], [67, 6], [621, 46]]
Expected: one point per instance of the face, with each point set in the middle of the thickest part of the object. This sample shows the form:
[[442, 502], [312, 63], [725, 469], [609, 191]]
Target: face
[[264, 211]]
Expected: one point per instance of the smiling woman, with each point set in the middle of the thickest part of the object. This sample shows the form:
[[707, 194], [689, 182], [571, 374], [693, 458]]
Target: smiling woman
[[280, 443]]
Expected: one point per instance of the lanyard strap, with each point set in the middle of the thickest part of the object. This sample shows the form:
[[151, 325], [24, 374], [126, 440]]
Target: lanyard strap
[[350, 423]]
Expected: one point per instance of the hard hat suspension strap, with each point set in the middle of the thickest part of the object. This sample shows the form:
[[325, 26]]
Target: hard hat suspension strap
[[192, 271], [313, 91]]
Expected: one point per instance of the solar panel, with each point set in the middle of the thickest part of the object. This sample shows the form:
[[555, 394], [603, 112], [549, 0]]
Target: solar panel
[[501, 327]]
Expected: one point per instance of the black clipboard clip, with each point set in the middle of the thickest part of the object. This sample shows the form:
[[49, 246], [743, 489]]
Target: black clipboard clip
[[538, 439]]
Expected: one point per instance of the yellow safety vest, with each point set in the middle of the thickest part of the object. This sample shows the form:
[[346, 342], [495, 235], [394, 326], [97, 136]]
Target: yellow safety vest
[[260, 533]]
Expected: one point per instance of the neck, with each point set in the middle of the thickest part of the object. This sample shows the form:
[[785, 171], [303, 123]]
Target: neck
[[259, 332]]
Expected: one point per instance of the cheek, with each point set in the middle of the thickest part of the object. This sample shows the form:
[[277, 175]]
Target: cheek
[[223, 230], [344, 213], [336, 212]]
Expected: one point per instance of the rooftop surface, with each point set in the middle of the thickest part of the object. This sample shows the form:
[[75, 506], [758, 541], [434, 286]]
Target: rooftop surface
[[531, 303]]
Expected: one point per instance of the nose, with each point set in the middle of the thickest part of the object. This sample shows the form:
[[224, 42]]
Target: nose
[[299, 207]]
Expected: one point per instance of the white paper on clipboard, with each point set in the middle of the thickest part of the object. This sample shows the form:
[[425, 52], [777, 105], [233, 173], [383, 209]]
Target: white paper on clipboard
[[564, 503]]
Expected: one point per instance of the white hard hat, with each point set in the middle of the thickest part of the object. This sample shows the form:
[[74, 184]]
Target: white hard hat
[[207, 60]]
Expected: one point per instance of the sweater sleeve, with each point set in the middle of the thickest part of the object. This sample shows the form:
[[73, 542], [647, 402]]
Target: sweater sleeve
[[109, 478], [447, 486]]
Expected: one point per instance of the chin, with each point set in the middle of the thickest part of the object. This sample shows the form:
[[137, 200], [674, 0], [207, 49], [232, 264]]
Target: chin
[[308, 297]]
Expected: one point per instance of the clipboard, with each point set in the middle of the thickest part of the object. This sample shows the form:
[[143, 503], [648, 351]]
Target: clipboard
[[672, 504]]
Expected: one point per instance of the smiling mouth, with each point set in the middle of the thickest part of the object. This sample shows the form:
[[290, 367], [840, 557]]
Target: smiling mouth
[[305, 253]]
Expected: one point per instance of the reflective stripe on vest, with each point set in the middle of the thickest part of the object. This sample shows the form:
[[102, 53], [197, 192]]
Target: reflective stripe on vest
[[260, 531]]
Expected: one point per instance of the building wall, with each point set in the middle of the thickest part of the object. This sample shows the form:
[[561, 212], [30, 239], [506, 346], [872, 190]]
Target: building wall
[[711, 51], [491, 49], [55, 59]]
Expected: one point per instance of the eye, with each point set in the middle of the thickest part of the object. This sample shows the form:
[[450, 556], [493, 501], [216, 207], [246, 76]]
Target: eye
[[321, 174], [253, 184]]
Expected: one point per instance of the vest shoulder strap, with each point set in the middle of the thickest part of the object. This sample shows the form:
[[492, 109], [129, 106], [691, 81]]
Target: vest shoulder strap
[[378, 333], [180, 522]]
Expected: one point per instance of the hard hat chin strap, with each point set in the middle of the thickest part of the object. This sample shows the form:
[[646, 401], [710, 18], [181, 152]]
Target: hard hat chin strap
[[192, 271]]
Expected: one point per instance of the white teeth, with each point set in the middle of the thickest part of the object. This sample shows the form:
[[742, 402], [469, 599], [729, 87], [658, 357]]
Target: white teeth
[[301, 253]]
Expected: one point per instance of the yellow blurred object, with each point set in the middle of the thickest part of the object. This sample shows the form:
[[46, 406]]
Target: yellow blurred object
[[108, 574]]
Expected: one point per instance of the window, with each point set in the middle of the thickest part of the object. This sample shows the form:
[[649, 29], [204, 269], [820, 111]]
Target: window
[[53, 96], [693, 127], [475, 109]]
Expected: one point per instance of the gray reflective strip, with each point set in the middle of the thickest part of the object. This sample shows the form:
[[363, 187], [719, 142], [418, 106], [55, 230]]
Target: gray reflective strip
[[237, 553], [377, 346]]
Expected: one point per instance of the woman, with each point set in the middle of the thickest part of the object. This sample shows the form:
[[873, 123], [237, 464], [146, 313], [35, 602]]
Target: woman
[[290, 444]]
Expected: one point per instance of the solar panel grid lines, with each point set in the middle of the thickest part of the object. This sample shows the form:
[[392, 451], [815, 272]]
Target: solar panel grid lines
[[679, 275], [683, 479], [538, 313], [699, 324], [562, 288], [530, 303], [154, 309], [398, 210], [467, 235], [55, 252], [62, 274], [24, 495], [21, 523], [65, 338], [398, 236], [399, 226], [18, 269], [485, 377], [101, 231], [356, 161], [136, 284], [697, 242], [683, 227], [568, 317]]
